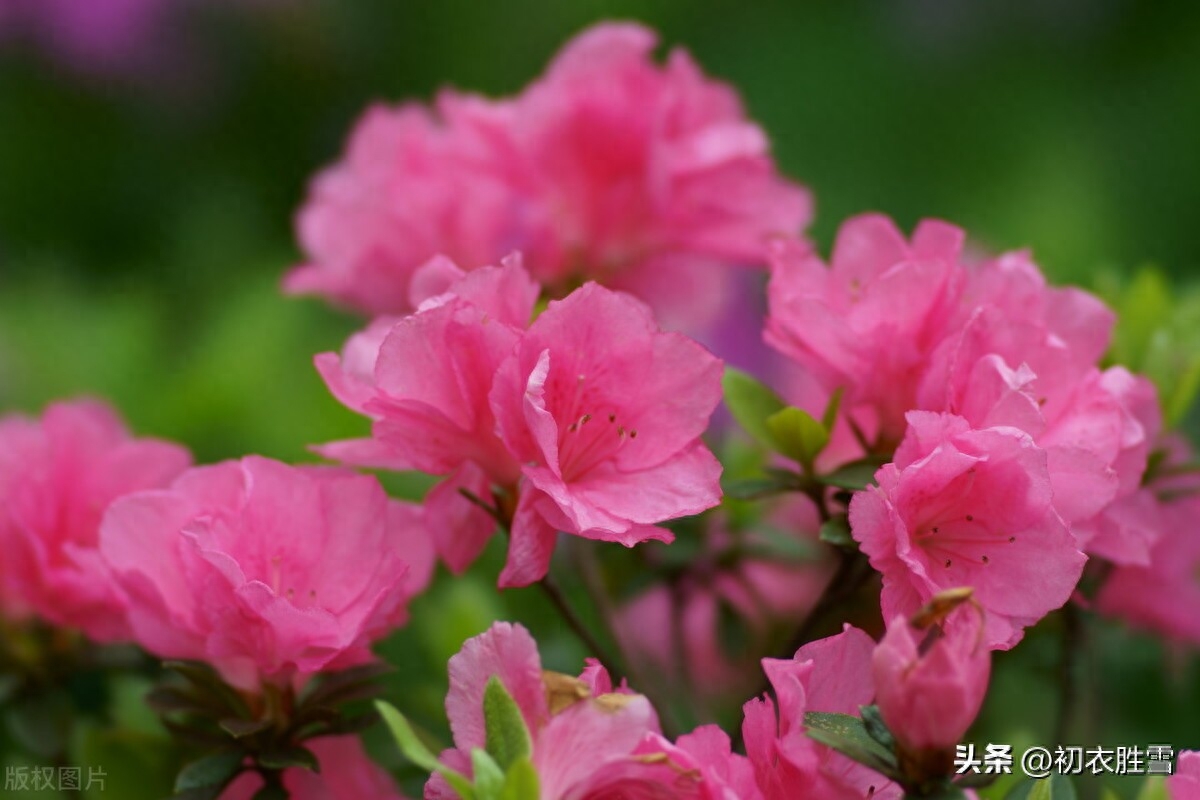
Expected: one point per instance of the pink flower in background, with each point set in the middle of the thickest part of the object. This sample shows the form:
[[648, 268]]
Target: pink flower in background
[[1185, 783], [929, 697], [413, 184], [963, 507], [1161, 596], [57, 475], [583, 732], [268, 572], [741, 582], [871, 320], [604, 413], [832, 675], [648, 178], [347, 773]]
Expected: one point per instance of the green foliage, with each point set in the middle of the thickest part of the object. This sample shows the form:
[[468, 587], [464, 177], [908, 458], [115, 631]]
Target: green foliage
[[1055, 787], [1158, 334], [507, 736]]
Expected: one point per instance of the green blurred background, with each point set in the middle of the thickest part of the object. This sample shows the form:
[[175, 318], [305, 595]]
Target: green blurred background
[[145, 218]]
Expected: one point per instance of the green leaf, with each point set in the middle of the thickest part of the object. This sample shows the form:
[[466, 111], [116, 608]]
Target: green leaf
[[848, 736], [416, 752], [217, 770], [876, 728], [751, 402], [506, 734], [211, 688], [489, 778], [855, 476], [521, 782], [1155, 788], [240, 728], [757, 488], [288, 756], [829, 418], [797, 435], [41, 723], [357, 683], [272, 792], [836, 531], [1055, 787]]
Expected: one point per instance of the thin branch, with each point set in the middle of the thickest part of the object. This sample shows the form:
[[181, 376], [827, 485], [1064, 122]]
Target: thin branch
[[559, 600]]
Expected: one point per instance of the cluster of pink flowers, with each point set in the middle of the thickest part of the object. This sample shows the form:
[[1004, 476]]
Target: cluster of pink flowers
[[647, 178], [585, 421], [1015, 454], [618, 191], [928, 695]]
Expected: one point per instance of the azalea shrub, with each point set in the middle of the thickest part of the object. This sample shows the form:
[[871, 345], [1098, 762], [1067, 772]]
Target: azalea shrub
[[794, 514]]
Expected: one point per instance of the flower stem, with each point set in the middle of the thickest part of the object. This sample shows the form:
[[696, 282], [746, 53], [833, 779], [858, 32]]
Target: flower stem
[[559, 600], [1073, 642]]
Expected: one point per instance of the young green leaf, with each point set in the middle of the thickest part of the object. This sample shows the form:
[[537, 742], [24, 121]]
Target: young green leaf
[[489, 778], [836, 531], [795, 434], [1055, 787], [416, 752], [506, 734], [521, 782], [216, 770], [751, 402], [848, 736]]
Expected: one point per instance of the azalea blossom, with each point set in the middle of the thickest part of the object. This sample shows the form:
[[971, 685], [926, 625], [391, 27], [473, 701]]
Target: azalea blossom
[[588, 421], [588, 737], [604, 412], [57, 475], [930, 681], [832, 675], [609, 167], [268, 572], [964, 507]]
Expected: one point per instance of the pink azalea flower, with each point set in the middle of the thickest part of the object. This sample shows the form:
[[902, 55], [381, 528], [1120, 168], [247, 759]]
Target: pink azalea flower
[[424, 379], [268, 572], [347, 773], [963, 507], [1185, 783], [609, 167], [603, 412], [413, 184], [929, 697], [832, 675], [870, 321], [582, 731], [1161, 595], [57, 475]]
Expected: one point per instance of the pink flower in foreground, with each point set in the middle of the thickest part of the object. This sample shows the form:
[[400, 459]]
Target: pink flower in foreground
[[57, 475], [557, 424], [268, 572], [1185, 783], [604, 413], [930, 694], [832, 675], [347, 773], [871, 320], [609, 167], [424, 379], [586, 737], [962, 507]]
